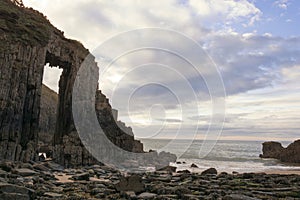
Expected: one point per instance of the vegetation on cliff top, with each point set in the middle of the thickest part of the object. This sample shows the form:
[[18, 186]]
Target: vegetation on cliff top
[[24, 25]]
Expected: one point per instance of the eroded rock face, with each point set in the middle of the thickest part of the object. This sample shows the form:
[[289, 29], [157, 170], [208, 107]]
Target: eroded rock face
[[48, 115], [290, 154], [28, 42], [111, 128], [272, 150]]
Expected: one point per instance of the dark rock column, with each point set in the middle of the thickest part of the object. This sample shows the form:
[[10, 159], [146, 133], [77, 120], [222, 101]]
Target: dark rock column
[[20, 90]]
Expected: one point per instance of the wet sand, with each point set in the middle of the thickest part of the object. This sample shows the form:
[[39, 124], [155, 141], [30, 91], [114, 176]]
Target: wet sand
[[283, 172]]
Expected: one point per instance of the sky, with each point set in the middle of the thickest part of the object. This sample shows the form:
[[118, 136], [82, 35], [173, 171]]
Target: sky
[[251, 46]]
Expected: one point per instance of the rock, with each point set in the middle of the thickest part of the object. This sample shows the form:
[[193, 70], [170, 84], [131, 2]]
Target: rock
[[239, 197], [81, 177], [24, 172], [26, 165], [130, 195], [290, 154], [14, 196], [6, 166], [168, 169], [147, 195], [184, 171], [167, 157], [9, 191], [3, 173], [54, 166], [47, 121], [211, 171], [41, 167], [131, 183], [248, 175], [272, 150], [194, 166], [53, 195]]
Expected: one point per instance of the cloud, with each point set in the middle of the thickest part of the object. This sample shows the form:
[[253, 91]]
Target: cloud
[[93, 21], [260, 71], [226, 10], [282, 4]]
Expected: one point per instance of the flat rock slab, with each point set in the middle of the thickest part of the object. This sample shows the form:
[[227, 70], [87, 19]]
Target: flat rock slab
[[14, 196], [239, 197], [53, 195], [147, 195], [81, 177], [14, 192], [24, 172]]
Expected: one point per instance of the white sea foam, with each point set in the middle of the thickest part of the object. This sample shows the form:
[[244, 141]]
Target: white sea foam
[[226, 156]]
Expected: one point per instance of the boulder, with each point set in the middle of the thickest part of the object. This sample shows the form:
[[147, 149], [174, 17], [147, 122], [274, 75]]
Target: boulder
[[168, 169], [194, 166], [211, 171], [24, 172], [131, 183], [9, 191], [81, 177]]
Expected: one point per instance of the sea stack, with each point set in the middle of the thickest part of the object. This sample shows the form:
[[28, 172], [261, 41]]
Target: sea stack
[[290, 154]]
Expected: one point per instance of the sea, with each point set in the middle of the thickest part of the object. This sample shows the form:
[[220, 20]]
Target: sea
[[224, 155]]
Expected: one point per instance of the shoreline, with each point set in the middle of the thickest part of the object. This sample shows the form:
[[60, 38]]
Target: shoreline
[[47, 180], [282, 172]]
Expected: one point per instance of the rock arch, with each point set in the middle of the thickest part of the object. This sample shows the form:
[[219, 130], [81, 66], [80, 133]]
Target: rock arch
[[24, 51]]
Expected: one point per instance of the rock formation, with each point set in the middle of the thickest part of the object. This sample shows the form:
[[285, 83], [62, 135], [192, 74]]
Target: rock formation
[[290, 154], [111, 128], [48, 115], [272, 150], [28, 43]]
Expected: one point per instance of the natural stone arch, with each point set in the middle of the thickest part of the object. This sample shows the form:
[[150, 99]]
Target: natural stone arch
[[23, 55]]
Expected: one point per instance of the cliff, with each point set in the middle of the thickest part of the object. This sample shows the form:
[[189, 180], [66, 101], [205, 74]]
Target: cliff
[[290, 154], [28, 42], [48, 114]]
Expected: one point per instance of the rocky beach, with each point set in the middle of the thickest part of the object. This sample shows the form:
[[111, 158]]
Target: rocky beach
[[47, 180]]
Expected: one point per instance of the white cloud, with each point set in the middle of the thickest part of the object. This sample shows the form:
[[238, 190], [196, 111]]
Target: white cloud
[[228, 10], [282, 4], [249, 63]]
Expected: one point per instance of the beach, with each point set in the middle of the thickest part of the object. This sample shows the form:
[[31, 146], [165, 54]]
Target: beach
[[47, 180]]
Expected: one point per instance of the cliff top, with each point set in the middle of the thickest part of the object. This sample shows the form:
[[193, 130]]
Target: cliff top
[[26, 26]]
